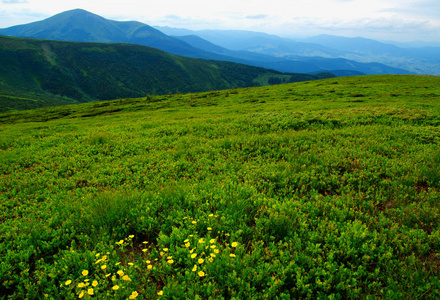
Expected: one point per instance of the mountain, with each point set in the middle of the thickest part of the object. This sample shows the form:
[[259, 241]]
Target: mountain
[[260, 49], [399, 60], [35, 73], [79, 25]]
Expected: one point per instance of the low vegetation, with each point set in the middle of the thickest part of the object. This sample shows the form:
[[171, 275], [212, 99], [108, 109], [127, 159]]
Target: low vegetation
[[316, 190]]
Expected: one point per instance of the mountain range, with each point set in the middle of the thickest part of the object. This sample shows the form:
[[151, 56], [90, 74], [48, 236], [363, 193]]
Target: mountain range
[[257, 49], [36, 73]]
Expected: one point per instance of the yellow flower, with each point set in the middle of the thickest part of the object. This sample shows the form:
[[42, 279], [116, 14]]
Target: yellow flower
[[90, 291], [232, 255], [85, 272], [210, 215], [81, 294], [200, 261], [194, 222], [117, 264], [94, 283], [131, 236], [120, 242], [216, 251], [150, 267], [86, 280], [68, 282], [98, 261], [212, 241], [81, 284], [148, 262], [160, 293], [115, 287], [120, 273], [186, 241], [209, 228], [187, 245], [212, 255], [191, 235], [170, 261], [126, 278], [210, 259], [165, 249], [201, 273], [97, 254], [103, 267], [193, 255], [201, 241], [144, 242], [107, 275], [194, 268], [144, 250], [131, 264], [133, 295], [234, 244], [213, 246], [192, 250]]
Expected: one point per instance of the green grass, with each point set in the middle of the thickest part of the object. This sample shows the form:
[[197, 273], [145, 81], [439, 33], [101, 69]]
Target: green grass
[[316, 190]]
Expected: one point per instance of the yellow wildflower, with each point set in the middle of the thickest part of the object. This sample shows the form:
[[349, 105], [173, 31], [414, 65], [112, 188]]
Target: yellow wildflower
[[120, 242], [103, 267], [201, 273], [144, 242], [194, 222], [85, 272], [120, 273], [213, 246], [131, 236], [212, 241], [201, 241], [212, 255], [232, 255], [68, 282], [170, 261], [234, 244], [90, 291], [216, 251], [194, 268], [115, 287], [144, 250], [150, 267], [210, 259], [97, 254], [104, 257], [133, 295], [148, 262], [209, 228], [160, 293], [187, 245], [200, 261], [94, 283], [81, 284], [126, 278], [107, 275], [98, 261], [131, 264], [210, 215], [165, 249], [117, 264], [193, 255], [81, 294]]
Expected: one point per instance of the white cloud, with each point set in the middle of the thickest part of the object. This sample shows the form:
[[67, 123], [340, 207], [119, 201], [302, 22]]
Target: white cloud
[[389, 18]]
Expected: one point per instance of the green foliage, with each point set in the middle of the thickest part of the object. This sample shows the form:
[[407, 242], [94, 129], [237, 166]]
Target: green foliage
[[37, 73], [291, 191]]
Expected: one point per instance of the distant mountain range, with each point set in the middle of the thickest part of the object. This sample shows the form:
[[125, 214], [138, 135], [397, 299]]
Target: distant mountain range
[[419, 60], [36, 73], [256, 49]]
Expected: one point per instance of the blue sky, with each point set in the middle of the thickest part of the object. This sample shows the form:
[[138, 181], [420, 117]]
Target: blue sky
[[399, 20]]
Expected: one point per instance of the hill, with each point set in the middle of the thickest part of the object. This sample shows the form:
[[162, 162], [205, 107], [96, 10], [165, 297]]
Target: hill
[[36, 73], [320, 189]]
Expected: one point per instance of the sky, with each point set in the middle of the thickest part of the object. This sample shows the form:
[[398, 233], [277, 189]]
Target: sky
[[397, 20]]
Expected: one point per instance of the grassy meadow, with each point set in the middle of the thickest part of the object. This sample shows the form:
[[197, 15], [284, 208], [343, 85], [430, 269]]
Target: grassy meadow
[[325, 189]]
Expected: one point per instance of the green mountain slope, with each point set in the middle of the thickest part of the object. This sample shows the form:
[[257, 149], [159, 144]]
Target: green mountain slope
[[35, 73], [324, 189]]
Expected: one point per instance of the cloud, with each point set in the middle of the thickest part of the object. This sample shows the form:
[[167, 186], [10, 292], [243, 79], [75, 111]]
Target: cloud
[[257, 17], [14, 1]]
